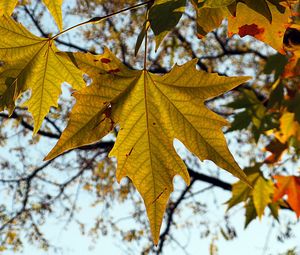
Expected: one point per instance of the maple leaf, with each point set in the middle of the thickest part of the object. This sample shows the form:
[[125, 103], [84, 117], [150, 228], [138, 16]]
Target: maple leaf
[[261, 20], [262, 191], [7, 6], [54, 7], [151, 110], [260, 196], [31, 63], [289, 127], [241, 191], [249, 22], [290, 186]]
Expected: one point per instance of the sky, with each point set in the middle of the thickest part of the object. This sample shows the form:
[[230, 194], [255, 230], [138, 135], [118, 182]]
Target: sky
[[259, 238]]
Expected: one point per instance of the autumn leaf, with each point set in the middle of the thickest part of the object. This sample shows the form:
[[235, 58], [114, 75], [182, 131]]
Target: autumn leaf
[[31, 63], [277, 149], [7, 6], [151, 110], [240, 190], [209, 19], [289, 127], [262, 191], [54, 7], [290, 186], [249, 22], [260, 195], [261, 20]]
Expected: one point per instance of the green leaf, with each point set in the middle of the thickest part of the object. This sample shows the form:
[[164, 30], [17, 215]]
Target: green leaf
[[164, 15], [276, 63], [240, 191], [250, 212]]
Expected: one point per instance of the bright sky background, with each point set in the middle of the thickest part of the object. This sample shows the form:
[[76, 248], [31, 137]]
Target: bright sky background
[[251, 241]]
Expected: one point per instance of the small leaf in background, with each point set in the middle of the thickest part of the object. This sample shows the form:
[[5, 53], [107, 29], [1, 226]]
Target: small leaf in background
[[164, 15], [290, 186], [54, 7], [277, 149], [277, 95], [262, 191], [209, 18], [240, 191], [293, 106], [249, 22], [289, 128], [250, 212], [274, 208], [276, 63]]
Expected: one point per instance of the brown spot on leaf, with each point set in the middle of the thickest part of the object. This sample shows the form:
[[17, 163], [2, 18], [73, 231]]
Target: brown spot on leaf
[[113, 71], [105, 60], [252, 30]]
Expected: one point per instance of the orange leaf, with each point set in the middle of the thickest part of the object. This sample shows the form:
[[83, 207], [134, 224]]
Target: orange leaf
[[290, 186]]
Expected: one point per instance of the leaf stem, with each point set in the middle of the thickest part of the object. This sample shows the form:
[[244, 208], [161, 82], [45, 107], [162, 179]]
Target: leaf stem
[[146, 48], [146, 41], [96, 20]]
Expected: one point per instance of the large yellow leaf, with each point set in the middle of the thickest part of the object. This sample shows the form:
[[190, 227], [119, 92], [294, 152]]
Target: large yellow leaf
[[151, 110], [7, 6], [54, 6], [31, 63]]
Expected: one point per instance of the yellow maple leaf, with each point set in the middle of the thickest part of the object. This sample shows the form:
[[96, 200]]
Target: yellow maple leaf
[[54, 7], [31, 63], [151, 110], [262, 191], [7, 6]]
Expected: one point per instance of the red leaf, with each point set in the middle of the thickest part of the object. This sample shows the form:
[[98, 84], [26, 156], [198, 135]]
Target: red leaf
[[290, 186]]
